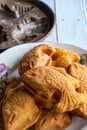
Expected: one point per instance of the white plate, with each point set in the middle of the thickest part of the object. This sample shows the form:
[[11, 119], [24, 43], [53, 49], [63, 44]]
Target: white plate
[[12, 56]]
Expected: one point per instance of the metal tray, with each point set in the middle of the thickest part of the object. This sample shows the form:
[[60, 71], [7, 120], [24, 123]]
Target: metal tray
[[24, 21]]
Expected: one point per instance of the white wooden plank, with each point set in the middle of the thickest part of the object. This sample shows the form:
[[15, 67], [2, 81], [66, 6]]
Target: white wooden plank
[[52, 36], [71, 23], [84, 3]]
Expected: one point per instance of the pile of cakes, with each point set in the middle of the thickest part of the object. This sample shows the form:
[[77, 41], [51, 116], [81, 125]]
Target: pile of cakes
[[50, 89]]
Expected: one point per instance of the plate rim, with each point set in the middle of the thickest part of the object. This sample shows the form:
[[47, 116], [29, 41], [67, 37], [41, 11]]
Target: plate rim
[[37, 43]]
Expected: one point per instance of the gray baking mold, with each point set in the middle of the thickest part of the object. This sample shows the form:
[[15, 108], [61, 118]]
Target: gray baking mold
[[21, 22], [15, 9], [83, 59]]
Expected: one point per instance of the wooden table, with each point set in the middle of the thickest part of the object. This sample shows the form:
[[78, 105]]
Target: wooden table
[[71, 22]]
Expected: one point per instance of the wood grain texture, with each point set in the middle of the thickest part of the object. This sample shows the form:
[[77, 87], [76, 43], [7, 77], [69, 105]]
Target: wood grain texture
[[71, 22], [84, 4]]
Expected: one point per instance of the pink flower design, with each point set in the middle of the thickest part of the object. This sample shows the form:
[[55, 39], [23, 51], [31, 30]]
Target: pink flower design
[[3, 70]]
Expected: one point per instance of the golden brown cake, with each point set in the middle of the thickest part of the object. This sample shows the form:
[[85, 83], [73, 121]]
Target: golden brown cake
[[79, 72], [72, 79], [63, 58], [38, 56], [81, 111], [46, 55], [19, 108], [52, 87], [1, 120], [53, 121]]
